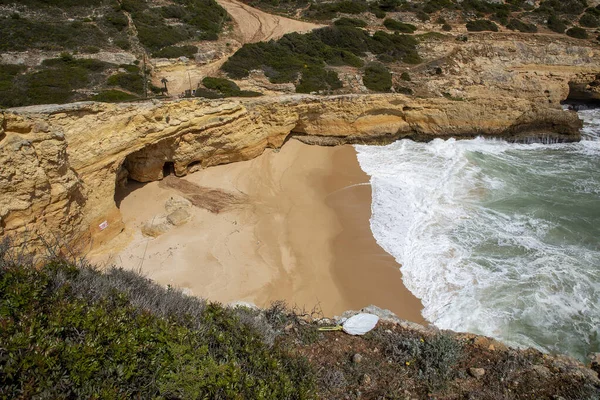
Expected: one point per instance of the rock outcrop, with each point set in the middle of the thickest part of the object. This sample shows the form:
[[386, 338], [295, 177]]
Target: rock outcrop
[[61, 164]]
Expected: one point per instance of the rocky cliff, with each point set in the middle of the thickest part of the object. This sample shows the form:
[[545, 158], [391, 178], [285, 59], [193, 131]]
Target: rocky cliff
[[61, 164]]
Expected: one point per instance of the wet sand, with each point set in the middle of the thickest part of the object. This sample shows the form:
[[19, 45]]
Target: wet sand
[[301, 235]]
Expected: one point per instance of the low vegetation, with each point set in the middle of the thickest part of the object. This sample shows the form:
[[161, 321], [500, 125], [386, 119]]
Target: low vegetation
[[345, 21], [55, 81], [70, 331], [481, 25], [577, 32], [398, 26], [216, 88], [67, 79], [176, 52], [518, 25], [73, 26], [118, 335], [377, 78], [303, 58]]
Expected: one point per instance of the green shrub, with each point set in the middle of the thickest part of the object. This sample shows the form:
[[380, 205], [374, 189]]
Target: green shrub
[[398, 26], [222, 85], [24, 34], [517, 25], [131, 82], [446, 27], [377, 78], [403, 90], [422, 16], [117, 19], [379, 14], [405, 76], [555, 24], [322, 11], [286, 59], [113, 96], [208, 94], [315, 79], [589, 21], [572, 7], [176, 52], [439, 356], [388, 5], [122, 43], [72, 332], [345, 21], [481, 25], [131, 68], [576, 32]]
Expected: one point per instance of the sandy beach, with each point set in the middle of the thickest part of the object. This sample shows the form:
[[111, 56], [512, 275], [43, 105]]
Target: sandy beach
[[296, 229]]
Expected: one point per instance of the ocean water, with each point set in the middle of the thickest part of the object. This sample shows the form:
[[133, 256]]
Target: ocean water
[[496, 238]]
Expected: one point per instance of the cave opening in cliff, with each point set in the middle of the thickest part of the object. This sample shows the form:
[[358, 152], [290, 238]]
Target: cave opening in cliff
[[584, 95], [168, 169]]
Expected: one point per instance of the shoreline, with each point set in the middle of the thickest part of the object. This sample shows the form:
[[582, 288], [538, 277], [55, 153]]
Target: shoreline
[[301, 234], [359, 260]]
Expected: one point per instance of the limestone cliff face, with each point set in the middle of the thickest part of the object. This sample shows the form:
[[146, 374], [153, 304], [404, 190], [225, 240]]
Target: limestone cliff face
[[61, 164], [538, 67]]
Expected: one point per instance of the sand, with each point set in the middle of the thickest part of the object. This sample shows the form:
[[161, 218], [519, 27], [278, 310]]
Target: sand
[[298, 231]]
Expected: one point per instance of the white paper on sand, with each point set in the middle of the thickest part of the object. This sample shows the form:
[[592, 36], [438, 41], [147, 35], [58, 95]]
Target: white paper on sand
[[360, 324]]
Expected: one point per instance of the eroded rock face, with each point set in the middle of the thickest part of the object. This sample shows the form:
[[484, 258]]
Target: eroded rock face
[[61, 164]]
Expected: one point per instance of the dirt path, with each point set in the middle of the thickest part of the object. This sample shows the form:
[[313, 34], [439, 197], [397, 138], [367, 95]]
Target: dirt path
[[250, 26], [253, 25]]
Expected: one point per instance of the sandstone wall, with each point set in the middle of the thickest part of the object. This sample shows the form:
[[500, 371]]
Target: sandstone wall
[[61, 164]]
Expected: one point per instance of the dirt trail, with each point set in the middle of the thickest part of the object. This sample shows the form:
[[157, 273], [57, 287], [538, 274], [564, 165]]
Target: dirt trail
[[253, 25], [250, 26]]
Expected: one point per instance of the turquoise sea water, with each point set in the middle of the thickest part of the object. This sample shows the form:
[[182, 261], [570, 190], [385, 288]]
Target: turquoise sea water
[[496, 238]]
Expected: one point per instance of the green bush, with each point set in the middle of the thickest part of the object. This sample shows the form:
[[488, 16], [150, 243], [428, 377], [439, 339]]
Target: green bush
[[377, 78], [481, 25], [589, 21], [405, 76], [286, 59], [315, 79], [176, 52], [572, 7], [578, 33], [517, 25], [345, 21], [24, 34], [117, 19], [323, 11], [439, 356], [422, 16], [208, 94], [446, 27], [72, 332], [398, 26], [128, 81], [55, 81], [113, 96], [220, 87], [555, 24]]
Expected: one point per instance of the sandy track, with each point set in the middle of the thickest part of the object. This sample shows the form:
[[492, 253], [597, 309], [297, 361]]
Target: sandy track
[[250, 26], [253, 25]]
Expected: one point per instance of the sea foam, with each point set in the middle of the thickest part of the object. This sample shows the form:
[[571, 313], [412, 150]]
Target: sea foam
[[496, 238]]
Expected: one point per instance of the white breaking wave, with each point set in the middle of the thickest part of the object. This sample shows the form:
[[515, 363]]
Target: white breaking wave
[[496, 238]]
